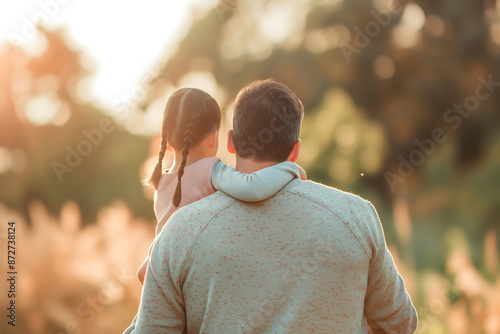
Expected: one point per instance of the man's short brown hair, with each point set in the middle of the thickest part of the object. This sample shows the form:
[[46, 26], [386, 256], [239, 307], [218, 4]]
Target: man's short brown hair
[[266, 122]]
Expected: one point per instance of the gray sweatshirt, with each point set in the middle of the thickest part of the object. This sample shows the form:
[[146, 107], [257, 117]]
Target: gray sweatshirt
[[308, 259]]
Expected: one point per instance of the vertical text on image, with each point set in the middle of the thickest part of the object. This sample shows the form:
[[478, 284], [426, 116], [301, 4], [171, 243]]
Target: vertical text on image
[[11, 272]]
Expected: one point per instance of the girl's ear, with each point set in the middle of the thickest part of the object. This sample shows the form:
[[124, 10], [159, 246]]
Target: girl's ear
[[169, 148], [294, 155], [214, 138], [230, 144]]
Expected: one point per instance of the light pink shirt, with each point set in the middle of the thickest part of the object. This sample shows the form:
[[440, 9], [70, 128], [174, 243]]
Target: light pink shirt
[[196, 184]]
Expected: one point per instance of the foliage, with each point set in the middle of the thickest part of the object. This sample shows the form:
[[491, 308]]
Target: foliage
[[34, 149]]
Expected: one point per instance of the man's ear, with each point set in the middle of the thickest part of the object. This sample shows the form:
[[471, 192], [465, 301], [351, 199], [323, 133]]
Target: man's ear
[[230, 144], [294, 156]]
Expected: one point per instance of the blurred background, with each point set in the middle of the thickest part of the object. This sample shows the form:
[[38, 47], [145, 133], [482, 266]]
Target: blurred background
[[401, 102]]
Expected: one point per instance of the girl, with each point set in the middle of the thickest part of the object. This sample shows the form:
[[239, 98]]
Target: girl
[[190, 128]]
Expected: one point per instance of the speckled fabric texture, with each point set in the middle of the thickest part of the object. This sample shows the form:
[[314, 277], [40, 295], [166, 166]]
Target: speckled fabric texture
[[310, 259]]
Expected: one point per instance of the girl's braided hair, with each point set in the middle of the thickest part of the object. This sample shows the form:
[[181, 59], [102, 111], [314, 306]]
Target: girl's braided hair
[[190, 116]]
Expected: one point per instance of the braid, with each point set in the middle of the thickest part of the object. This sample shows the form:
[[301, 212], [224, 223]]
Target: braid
[[155, 177], [176, 200]]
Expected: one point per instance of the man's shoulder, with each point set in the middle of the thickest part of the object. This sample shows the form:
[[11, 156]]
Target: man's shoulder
[[202, 210], [194, 217], [356, 213], [189, 221], [327, 196]]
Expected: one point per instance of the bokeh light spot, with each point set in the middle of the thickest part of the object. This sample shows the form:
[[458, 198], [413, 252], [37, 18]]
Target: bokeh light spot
[[406, 33], [435, 26], [384, 67], [41, 109]]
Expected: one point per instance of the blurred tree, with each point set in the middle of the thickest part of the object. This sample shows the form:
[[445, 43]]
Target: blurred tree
[[56, 147]]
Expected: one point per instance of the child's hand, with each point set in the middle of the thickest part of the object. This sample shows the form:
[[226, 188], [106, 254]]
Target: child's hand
[[302, 172]]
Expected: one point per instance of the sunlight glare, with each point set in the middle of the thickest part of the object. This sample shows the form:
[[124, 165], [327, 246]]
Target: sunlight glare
[[123, 51]]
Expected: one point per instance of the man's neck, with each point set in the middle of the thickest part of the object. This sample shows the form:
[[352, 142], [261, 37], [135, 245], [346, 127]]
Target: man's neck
[[249, 166]]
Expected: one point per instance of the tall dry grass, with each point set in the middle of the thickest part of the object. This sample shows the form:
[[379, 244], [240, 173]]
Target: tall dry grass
[[462, 299], [74, 278]]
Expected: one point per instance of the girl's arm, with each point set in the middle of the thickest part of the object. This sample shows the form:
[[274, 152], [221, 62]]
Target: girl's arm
[[256, 186]]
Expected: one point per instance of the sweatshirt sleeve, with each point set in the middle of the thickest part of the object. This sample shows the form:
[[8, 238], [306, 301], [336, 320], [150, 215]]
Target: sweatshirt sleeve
[[130, 329], [388, 307], [162, 304], [256, 186]]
